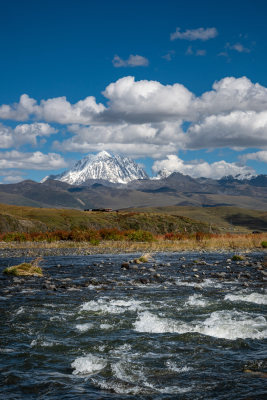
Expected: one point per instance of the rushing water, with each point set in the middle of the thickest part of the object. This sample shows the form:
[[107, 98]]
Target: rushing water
[[171, 329]]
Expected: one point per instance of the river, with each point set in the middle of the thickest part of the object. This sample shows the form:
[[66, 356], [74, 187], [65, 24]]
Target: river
[[183, 326]]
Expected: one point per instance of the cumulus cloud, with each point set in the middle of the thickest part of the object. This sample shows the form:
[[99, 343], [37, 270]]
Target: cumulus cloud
[[141, 140], [230, 94], [146, 101], [147, 115], [60, 110], [238, 129], [57, 109], [24, 133], [20, 111], [197, 169], [33, 161], [12, 179], [132, 61], [6, 138], [257, 156], [195, 34], [150, 101], [28, 133], [128, 149]]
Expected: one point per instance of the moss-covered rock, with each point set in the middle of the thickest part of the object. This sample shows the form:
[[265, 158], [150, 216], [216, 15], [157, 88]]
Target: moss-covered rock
[[24, 269], [238, 257], [143, 259]]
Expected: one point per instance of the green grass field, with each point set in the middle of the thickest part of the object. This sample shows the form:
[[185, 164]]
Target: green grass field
[[226, 218], [30, 219], [158, 220]]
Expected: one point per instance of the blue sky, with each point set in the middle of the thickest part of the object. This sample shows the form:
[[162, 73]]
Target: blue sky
[[179, 85]]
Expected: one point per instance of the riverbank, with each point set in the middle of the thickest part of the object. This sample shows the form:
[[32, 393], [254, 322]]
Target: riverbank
[[248, 242]]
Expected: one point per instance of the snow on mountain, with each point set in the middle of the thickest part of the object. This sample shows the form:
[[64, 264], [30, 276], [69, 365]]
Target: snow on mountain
[[247, 174], [112, 168], [163, 173]]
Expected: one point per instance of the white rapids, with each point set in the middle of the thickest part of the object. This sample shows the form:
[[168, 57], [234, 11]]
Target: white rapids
[[220, 324]]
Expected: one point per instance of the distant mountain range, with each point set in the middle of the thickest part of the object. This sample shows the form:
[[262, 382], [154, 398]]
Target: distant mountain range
[[111, 169], [174, 190], [112, 181]]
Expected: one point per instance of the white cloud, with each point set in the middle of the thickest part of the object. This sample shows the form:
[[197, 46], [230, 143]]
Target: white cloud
[[144, 115], [155, 140], [27, 133], [257, 156], [230, 94], [34, 161], [195, 34], [60, 110], [238, 47], [197, 169], [146, 101], [24, 133], [132, 150], [12, 179], [19, 111], [132, 61], [237, 129], [150, 101], [57, 109], [6, 139]]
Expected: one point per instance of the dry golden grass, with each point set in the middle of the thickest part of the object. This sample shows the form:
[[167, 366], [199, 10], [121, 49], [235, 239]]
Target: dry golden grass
[[218, 242], [25, 269]]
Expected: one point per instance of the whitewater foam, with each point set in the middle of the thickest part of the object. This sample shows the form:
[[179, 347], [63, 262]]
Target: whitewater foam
[[257, 298], [196, 300], [20, 310], [205, 283], [220, 324], [42, 342], [172, 366], [113, 306], [84, 327], [88, 365], [106, 326]]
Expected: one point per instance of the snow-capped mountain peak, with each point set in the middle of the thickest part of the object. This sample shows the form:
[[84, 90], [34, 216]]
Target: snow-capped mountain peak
[[112, 168]]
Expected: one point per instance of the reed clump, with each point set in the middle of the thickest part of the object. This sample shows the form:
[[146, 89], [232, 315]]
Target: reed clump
[[25, 269], [238, 257]]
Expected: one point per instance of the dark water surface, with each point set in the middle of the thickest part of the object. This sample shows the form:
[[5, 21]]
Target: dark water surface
[[184, 326]]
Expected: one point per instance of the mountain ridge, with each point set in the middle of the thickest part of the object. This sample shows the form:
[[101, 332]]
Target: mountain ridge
[[177, 189], [112, 168]]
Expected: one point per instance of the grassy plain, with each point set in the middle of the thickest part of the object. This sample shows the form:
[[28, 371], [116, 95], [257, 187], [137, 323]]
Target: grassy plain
[[225, 218], [31, 219]]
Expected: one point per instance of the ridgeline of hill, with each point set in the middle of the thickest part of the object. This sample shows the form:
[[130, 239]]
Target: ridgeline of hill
[[30, 219], [225, 218], [157, 220]]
